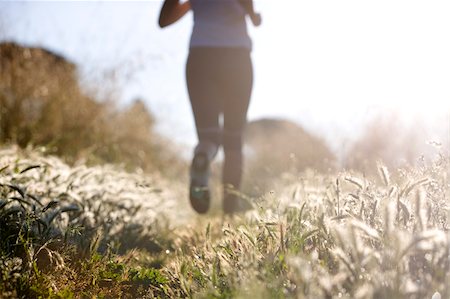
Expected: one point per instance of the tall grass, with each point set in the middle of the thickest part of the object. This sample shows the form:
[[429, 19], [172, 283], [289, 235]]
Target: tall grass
[[326, 237], [58, 218], [314, 236]]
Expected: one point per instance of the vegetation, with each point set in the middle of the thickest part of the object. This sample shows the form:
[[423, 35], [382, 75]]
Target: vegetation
[[42, 104], [61, 227], [276, 146], [99, 232], [80, 226], [386, 138]]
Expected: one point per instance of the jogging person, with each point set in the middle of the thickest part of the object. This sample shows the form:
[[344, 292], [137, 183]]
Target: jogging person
[[219, 78]]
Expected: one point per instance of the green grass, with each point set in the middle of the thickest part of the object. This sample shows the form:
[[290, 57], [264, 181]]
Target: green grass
[[79, 232]]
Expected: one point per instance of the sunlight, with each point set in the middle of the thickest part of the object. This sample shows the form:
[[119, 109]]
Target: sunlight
[[335, 185], [341, 58]]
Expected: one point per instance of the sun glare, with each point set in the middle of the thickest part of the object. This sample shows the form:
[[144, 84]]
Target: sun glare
[[342, 58]]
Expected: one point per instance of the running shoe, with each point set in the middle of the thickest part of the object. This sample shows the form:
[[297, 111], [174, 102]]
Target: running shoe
[[199, 193], [233, 203]]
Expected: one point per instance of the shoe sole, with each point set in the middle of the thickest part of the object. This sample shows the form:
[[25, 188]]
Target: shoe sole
[[199, 198], [199, 194]]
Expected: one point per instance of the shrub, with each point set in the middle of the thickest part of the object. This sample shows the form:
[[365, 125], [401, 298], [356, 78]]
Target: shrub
[[386, 139], [276, 146], [41, 103]]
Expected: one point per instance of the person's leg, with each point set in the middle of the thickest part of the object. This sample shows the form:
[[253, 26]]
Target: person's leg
[[202, 83], [238, 81]]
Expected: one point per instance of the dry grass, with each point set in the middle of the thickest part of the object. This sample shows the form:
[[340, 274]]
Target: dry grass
[[56, 219], [315, 236], [331, 237], [79, 231], [42, 104]]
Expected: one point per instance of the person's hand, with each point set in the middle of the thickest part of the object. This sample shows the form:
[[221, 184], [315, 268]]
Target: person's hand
[[256, 19]]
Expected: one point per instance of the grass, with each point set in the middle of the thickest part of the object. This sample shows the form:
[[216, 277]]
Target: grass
[[82, 231], [57, 218], [98, 232]]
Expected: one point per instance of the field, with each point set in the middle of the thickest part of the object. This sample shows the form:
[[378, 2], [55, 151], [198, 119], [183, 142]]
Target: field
[[100, 232]]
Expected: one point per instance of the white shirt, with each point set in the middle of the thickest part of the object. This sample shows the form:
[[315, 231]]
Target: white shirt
[[219, 23]]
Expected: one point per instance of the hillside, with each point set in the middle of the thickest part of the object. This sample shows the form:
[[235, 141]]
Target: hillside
[[42, 103], [276, 147]]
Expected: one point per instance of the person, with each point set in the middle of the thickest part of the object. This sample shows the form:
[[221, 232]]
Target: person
[[219, 76]]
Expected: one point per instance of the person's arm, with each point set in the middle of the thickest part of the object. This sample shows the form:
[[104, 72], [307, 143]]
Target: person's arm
[[172, 11], [249, 9]]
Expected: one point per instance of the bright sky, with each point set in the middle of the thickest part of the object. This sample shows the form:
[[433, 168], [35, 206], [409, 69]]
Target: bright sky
[[328, 65]]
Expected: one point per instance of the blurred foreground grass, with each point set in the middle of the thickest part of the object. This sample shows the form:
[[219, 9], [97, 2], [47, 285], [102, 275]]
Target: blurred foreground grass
[[98, 232]]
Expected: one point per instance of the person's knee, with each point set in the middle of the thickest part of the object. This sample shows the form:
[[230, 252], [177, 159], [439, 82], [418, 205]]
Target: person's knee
[[211, 136], [208, 148]]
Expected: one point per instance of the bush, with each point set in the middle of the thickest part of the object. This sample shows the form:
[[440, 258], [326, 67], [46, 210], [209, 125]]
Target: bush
[[386, 139], [41, 103], [278, 146]]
